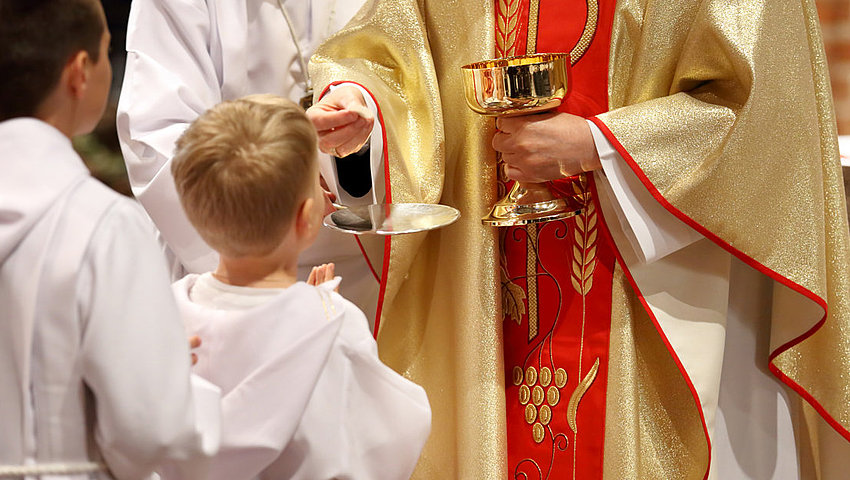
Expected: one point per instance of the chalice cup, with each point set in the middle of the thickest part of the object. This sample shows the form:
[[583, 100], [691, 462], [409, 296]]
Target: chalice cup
[[520, 86]]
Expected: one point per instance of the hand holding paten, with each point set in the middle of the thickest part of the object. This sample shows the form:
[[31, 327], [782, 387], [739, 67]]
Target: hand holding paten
[[342, 120], [547, 146]]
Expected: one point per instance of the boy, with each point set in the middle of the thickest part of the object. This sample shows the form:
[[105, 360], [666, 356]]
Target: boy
[[304, 393], [94, 368]]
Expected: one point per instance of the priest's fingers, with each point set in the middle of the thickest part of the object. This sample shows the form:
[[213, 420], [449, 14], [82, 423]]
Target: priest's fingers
[[346, 98], [515, 173], [311, 279], [509, 124], [327, 120], [354, 145], [345, 140]]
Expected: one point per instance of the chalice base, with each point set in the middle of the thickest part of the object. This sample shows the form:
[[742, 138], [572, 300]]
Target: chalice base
[[528, 203]]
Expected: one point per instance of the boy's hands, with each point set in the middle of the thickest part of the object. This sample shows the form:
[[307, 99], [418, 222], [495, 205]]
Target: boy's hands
[[321, 274], [342, 120], [194, 342]]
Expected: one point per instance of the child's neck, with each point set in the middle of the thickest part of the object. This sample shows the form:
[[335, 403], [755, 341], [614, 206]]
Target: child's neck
[[257, 272]]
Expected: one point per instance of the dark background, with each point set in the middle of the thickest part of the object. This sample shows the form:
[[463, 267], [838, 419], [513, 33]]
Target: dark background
[[100, 149]]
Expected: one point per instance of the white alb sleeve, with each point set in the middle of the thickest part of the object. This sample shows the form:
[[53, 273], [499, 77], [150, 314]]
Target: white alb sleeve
[[170, 79], [652, 231]]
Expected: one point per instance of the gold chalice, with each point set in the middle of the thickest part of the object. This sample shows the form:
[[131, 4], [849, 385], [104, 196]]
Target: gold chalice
[[520, 86]]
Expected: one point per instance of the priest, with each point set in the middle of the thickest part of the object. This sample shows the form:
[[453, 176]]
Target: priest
[[693, 319]]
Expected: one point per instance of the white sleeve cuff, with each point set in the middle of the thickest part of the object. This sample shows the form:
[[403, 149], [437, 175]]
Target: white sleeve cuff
[[652, 231]]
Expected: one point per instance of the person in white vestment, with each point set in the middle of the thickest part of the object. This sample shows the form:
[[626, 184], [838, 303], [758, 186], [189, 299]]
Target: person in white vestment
[[305, 395], [94, 365], [184, 57]]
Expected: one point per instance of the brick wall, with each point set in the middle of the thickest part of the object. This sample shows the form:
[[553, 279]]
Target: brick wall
[[835, 22]]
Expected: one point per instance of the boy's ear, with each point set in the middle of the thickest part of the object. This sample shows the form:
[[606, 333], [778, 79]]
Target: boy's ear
[[304, 217], [76, 74]]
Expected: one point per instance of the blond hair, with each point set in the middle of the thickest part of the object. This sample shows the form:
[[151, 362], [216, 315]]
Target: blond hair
[[241, 170]]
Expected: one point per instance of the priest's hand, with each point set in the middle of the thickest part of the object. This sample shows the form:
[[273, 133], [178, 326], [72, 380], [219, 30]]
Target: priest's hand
[[547, 146], [343, 121]]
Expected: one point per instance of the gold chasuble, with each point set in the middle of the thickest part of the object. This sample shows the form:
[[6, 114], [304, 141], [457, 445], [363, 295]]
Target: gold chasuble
[[541, 356]]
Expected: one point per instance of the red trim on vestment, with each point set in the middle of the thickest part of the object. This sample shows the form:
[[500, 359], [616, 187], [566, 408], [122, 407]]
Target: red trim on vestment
[[749, 261], [369, 263], [670, 349], [386, 264]]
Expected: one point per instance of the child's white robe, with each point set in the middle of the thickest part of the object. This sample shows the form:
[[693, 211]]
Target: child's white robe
[[304, 393], [97, 368]]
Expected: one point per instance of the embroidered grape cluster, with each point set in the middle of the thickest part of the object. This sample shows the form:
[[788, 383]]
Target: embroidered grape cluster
[[535, 388]]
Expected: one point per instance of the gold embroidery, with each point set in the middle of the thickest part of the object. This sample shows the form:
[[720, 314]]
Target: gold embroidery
[[584, 264], [531, 376], [533, 395], [589, 31], [584, 250], [507, 23], [517, 376], [530, 413], [538, 433], [537, 395], [577, 395], [545, 414], [553, 396], [524, 394], [560, 377], [533, 13], [531, 280], [545, 376], [513, 298]]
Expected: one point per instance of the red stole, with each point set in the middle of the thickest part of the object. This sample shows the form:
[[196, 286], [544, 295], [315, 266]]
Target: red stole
[[556, 280]]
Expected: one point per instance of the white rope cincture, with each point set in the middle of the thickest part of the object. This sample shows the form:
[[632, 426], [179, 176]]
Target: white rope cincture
[[308, 83], [18, 471]]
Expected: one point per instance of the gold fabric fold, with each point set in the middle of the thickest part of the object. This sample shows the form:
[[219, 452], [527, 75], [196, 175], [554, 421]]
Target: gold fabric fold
[[652, 428], [441, 324], [725, 107]]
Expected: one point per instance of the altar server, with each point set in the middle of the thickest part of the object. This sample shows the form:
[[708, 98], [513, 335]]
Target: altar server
[[183, 57], [304, 393], [94, 365]]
